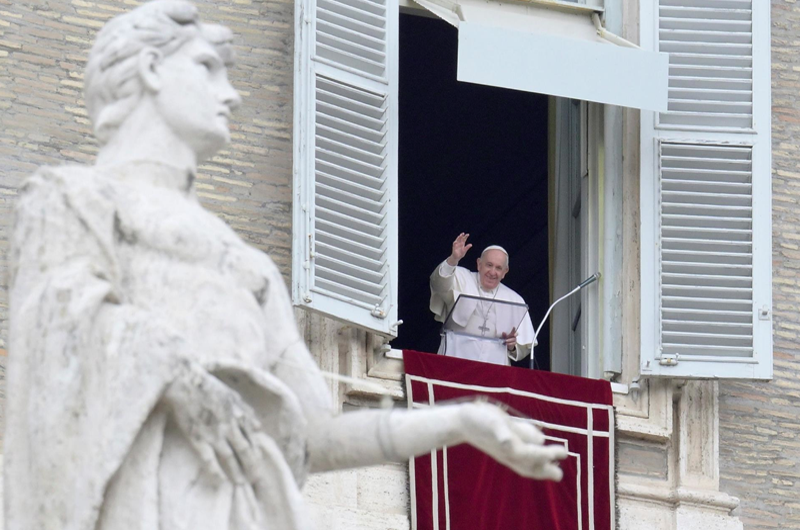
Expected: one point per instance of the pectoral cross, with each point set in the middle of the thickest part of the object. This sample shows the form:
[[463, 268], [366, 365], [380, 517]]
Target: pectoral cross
[[483, 329]]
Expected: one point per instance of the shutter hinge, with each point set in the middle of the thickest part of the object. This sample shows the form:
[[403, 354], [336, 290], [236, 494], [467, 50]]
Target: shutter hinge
[[668, 359], [764, 313]]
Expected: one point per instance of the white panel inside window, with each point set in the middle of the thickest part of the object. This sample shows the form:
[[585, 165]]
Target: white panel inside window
[[552, 47], [535, 62]]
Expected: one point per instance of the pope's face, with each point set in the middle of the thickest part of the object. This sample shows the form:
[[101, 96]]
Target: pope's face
[[195, 98], [492, 268]]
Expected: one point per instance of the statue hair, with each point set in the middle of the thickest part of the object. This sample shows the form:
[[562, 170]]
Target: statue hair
[[112, 86]]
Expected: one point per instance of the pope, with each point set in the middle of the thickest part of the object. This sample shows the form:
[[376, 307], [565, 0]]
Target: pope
[[475, 320]]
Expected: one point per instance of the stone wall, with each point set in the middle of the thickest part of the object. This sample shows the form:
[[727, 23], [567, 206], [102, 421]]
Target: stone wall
[[760, 422]]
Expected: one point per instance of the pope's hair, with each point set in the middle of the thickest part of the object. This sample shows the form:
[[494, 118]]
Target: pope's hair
[[112, 86]]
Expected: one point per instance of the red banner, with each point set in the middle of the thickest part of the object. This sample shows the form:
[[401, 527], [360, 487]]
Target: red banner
[[473, 492]]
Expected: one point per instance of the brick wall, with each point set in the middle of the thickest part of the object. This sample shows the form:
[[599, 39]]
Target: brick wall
[[760, 422], [43, 50]]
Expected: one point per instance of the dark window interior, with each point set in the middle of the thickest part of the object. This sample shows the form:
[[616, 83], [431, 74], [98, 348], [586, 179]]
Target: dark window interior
[[473, 158]]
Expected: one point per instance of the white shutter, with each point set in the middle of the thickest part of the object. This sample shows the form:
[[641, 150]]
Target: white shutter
[[345, 161], [706, 193], [710, 46]]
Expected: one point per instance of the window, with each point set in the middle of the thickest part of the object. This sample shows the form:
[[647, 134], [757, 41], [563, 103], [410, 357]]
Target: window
[[345, 175], [472, 158], [706, 194]]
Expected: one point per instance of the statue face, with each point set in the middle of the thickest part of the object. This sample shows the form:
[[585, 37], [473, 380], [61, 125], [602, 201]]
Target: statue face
[[195, 98]]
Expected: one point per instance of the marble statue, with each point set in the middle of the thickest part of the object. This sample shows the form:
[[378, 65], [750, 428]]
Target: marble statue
[[156, 376]]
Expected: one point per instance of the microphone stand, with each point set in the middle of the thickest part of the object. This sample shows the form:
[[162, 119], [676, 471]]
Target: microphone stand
[[591, 279]]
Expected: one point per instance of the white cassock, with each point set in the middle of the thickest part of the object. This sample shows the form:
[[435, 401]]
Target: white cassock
[[447, 284]]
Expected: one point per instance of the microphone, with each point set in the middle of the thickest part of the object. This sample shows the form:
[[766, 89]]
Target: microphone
[[588, 281], [591, 279]]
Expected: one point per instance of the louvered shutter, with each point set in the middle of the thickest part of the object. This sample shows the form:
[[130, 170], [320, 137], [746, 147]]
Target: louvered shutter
[[345, 161], [706, 194]]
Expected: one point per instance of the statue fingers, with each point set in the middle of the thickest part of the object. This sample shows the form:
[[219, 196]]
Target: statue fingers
[[491, 430], [539, 462], [506, 446], [545, 466], [228, 459], [556, 452], [245, 417], [542, 454], [527, 431], [243, 446], [548, 471], [208, 458]]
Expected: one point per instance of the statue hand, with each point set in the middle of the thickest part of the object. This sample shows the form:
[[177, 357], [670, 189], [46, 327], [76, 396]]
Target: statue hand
[[512, 442], [218, 424], [460, 248]]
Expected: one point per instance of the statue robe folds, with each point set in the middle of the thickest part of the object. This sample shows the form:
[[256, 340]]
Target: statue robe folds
[[121, 282]]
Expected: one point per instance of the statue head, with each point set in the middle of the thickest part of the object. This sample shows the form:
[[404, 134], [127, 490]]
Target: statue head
[[162, 51]]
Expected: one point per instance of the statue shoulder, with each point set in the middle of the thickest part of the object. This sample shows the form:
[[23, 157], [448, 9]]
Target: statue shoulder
[[82, 183], [61, 180], [66, 195]]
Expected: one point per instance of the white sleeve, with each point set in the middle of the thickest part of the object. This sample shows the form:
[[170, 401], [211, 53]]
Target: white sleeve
[[445, 269], [443, 279], [520, 352]]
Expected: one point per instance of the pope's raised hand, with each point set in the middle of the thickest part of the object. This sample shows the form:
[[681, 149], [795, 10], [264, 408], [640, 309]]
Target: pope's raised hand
[[460, 248]]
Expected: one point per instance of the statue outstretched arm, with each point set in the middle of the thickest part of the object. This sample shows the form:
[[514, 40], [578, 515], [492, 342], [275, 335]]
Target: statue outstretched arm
[[370, 437], [373, 437]]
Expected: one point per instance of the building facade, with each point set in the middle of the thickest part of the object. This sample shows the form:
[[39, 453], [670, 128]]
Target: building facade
[[691, 452]]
